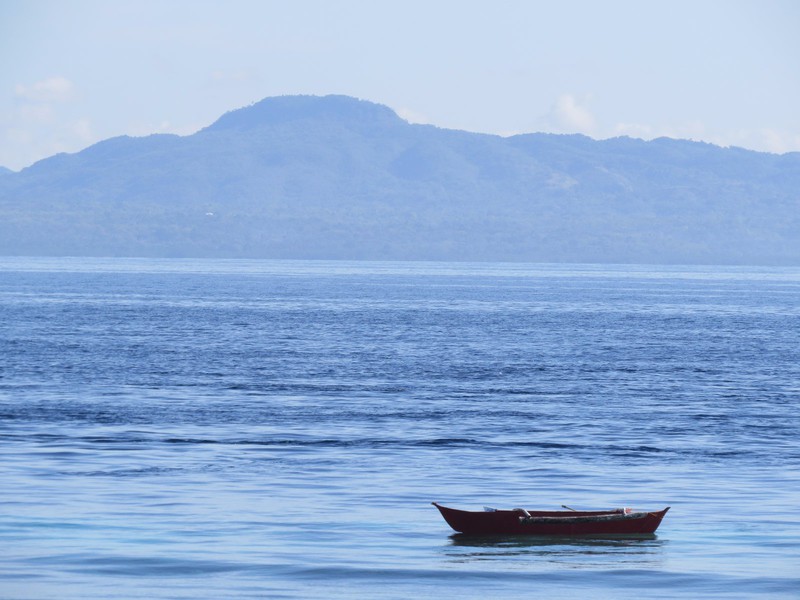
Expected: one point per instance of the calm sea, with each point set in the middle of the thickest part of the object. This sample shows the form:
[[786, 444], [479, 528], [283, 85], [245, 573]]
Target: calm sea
[[246, 429]]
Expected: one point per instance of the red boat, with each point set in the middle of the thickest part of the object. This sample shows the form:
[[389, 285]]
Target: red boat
[[518, 521]]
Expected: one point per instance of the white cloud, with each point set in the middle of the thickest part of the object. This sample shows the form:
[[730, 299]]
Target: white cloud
[[761, 140], [412, 117], [33, 140], [568, 115], [43, 122], [54, 89], [767, 140]]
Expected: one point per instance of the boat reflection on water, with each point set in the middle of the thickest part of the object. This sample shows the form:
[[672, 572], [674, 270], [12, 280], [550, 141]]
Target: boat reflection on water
[[524, 541], [628, 551]]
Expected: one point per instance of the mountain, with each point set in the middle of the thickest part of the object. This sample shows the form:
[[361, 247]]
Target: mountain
[[339, 178]]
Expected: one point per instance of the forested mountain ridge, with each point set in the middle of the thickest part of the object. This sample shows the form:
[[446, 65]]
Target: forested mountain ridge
[[338, 178]]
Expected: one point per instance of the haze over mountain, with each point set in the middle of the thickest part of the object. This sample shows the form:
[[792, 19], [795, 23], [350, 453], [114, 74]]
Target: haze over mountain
[[338, 178]]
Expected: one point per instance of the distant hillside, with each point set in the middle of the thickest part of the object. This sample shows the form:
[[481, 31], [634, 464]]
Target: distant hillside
[[334, 177]]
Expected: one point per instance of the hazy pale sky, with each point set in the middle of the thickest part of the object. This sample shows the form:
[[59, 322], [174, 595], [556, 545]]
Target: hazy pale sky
[[73, 72]]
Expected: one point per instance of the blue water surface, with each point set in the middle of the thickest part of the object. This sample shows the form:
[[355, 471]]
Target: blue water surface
[[278, 429]]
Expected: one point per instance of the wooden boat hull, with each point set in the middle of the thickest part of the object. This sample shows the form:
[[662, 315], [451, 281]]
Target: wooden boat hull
[[552, 523]]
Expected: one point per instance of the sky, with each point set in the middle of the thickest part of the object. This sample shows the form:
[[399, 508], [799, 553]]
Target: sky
[[74, 72]]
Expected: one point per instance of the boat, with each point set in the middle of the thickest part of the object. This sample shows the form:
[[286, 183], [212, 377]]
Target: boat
[[570, 522]]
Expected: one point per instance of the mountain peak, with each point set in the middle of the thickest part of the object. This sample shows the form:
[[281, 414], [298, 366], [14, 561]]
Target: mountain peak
[[283, 109]]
